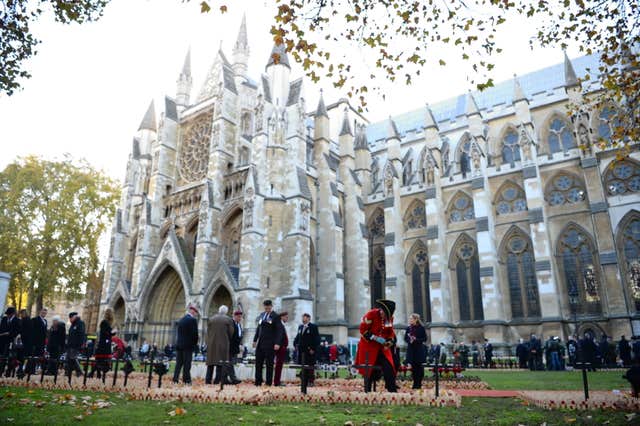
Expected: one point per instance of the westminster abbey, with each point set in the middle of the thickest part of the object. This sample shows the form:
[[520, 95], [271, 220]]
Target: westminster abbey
[[491, 214]]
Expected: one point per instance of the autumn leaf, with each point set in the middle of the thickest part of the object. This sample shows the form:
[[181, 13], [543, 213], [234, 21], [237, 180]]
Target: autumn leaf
[[223, 9], [204, 7]]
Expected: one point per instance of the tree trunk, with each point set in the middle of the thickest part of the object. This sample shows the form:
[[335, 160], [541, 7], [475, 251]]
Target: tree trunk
[[30, 302], [39, 303]]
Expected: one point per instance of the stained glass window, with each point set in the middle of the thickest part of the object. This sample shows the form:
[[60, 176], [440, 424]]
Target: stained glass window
[[631, 251], [510, 147], [420, 282], [580, 271], [415, 217], [607, 121], [565, 189], [622, 177], [510, 199], [376, 225], [467, 268], [560, 137], [461, 208], [523, 285]]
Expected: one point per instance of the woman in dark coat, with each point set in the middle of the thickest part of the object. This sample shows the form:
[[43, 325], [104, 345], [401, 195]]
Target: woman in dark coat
[[55, 343], [416, 337], [26, 336], [103, 349]]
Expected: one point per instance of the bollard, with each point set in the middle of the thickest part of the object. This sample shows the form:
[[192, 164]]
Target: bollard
[[86, 371], [585, 382], [115, 373], [150, 370], [43, 368]]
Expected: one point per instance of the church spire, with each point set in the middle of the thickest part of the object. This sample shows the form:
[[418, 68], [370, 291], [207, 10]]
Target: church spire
[[149, 120], [570, 78], [392, 130], [346, 127], [278, 56], [430, 120], [321, 111], [518, 93], [472, 106], [241, 49], [184, 83]]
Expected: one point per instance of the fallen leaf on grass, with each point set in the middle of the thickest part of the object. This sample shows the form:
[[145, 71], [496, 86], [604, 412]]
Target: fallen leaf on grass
[[10, 419], [39, 404], [348, 423], [24, 401], [569, 420], [630, 417], [178, 412], [80, 417]]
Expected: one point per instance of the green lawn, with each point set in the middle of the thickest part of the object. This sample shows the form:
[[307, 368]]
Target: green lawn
[[550, 380], [19, 409]]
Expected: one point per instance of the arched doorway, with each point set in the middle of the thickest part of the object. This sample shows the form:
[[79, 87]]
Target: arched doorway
[[119, 313], [219, 298], [165, 306]]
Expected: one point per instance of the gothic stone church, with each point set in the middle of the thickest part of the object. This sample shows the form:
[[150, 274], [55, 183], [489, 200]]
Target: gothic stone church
[[492, 215]]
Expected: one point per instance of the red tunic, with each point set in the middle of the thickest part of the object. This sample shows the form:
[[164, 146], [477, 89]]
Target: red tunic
[[372, 322]]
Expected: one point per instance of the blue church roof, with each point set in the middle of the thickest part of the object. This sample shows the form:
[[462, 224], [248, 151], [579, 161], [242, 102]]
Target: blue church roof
[[546, 82]]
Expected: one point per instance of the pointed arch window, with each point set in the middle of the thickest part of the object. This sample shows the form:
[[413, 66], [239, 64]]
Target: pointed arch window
[[565, 189], [521, 276], [466, 265], [418, 269], [246, 123], [579, 266], [607, 122], [560, 136], [377, 274], [630, 246], [510, 147], [622, 177], [415, 218], [461, 208], [511, 199]]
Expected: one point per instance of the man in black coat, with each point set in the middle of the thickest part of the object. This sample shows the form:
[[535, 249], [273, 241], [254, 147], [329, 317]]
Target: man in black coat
[[306, 343], [488, 353], [624, 349], [235, 344], [26, 335], [76, 339], [186, 342], [39, 332], [522, 352], [588, 351], [265, 341], [9, 330]]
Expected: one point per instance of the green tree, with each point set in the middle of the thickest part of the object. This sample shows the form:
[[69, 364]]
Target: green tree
[[52, 214], [17, 43]]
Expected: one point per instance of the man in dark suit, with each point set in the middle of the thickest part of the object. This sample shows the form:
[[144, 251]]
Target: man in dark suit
[[76, 339], [185, 344], [39, 331], [306, 342], [9, 330], [236, 343], [266, 340]]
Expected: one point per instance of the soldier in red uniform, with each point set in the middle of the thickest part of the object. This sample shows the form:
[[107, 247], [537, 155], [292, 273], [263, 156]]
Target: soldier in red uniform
[[376, 339]]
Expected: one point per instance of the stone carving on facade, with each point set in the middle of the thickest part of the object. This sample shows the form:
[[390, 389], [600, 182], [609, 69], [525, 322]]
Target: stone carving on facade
[[634, 279], [429, 167], [248, 212], [581, 120], [304, 216], [301, 117], [591, 284], [132, 312], [259, 114], [194, 149], [218, 100], [388, 180], [475, 160], [526, 144], [584, 139], [202, 223]]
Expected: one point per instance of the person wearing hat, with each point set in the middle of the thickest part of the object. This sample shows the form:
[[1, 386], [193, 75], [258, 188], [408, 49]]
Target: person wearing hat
[[376, 339], [186, 343], [267, 341], [76, 338], [9, 330]]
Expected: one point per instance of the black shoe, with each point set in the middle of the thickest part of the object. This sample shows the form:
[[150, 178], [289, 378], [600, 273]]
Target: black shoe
[[235, 382]]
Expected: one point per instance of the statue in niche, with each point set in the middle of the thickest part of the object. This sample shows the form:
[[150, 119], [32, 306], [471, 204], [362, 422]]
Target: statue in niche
[[202, 223], [475, 159], [301, 117], [259, 113], [634, 279], [525, 144], [248, 213], [584, 140], [304, 216], [430, 166], [388, 180]]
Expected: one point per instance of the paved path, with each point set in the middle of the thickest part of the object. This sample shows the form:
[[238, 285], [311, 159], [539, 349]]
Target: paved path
[[486, 393]]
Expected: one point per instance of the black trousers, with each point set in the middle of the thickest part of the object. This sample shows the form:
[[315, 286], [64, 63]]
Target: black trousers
[[183, 362], [264, 355], [417, 372], [387, 374]]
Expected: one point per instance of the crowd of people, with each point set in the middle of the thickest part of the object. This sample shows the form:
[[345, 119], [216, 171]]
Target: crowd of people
[[25, 341]]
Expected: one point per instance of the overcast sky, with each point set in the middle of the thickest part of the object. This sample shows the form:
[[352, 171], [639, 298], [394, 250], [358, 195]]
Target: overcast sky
[[92, 83]]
